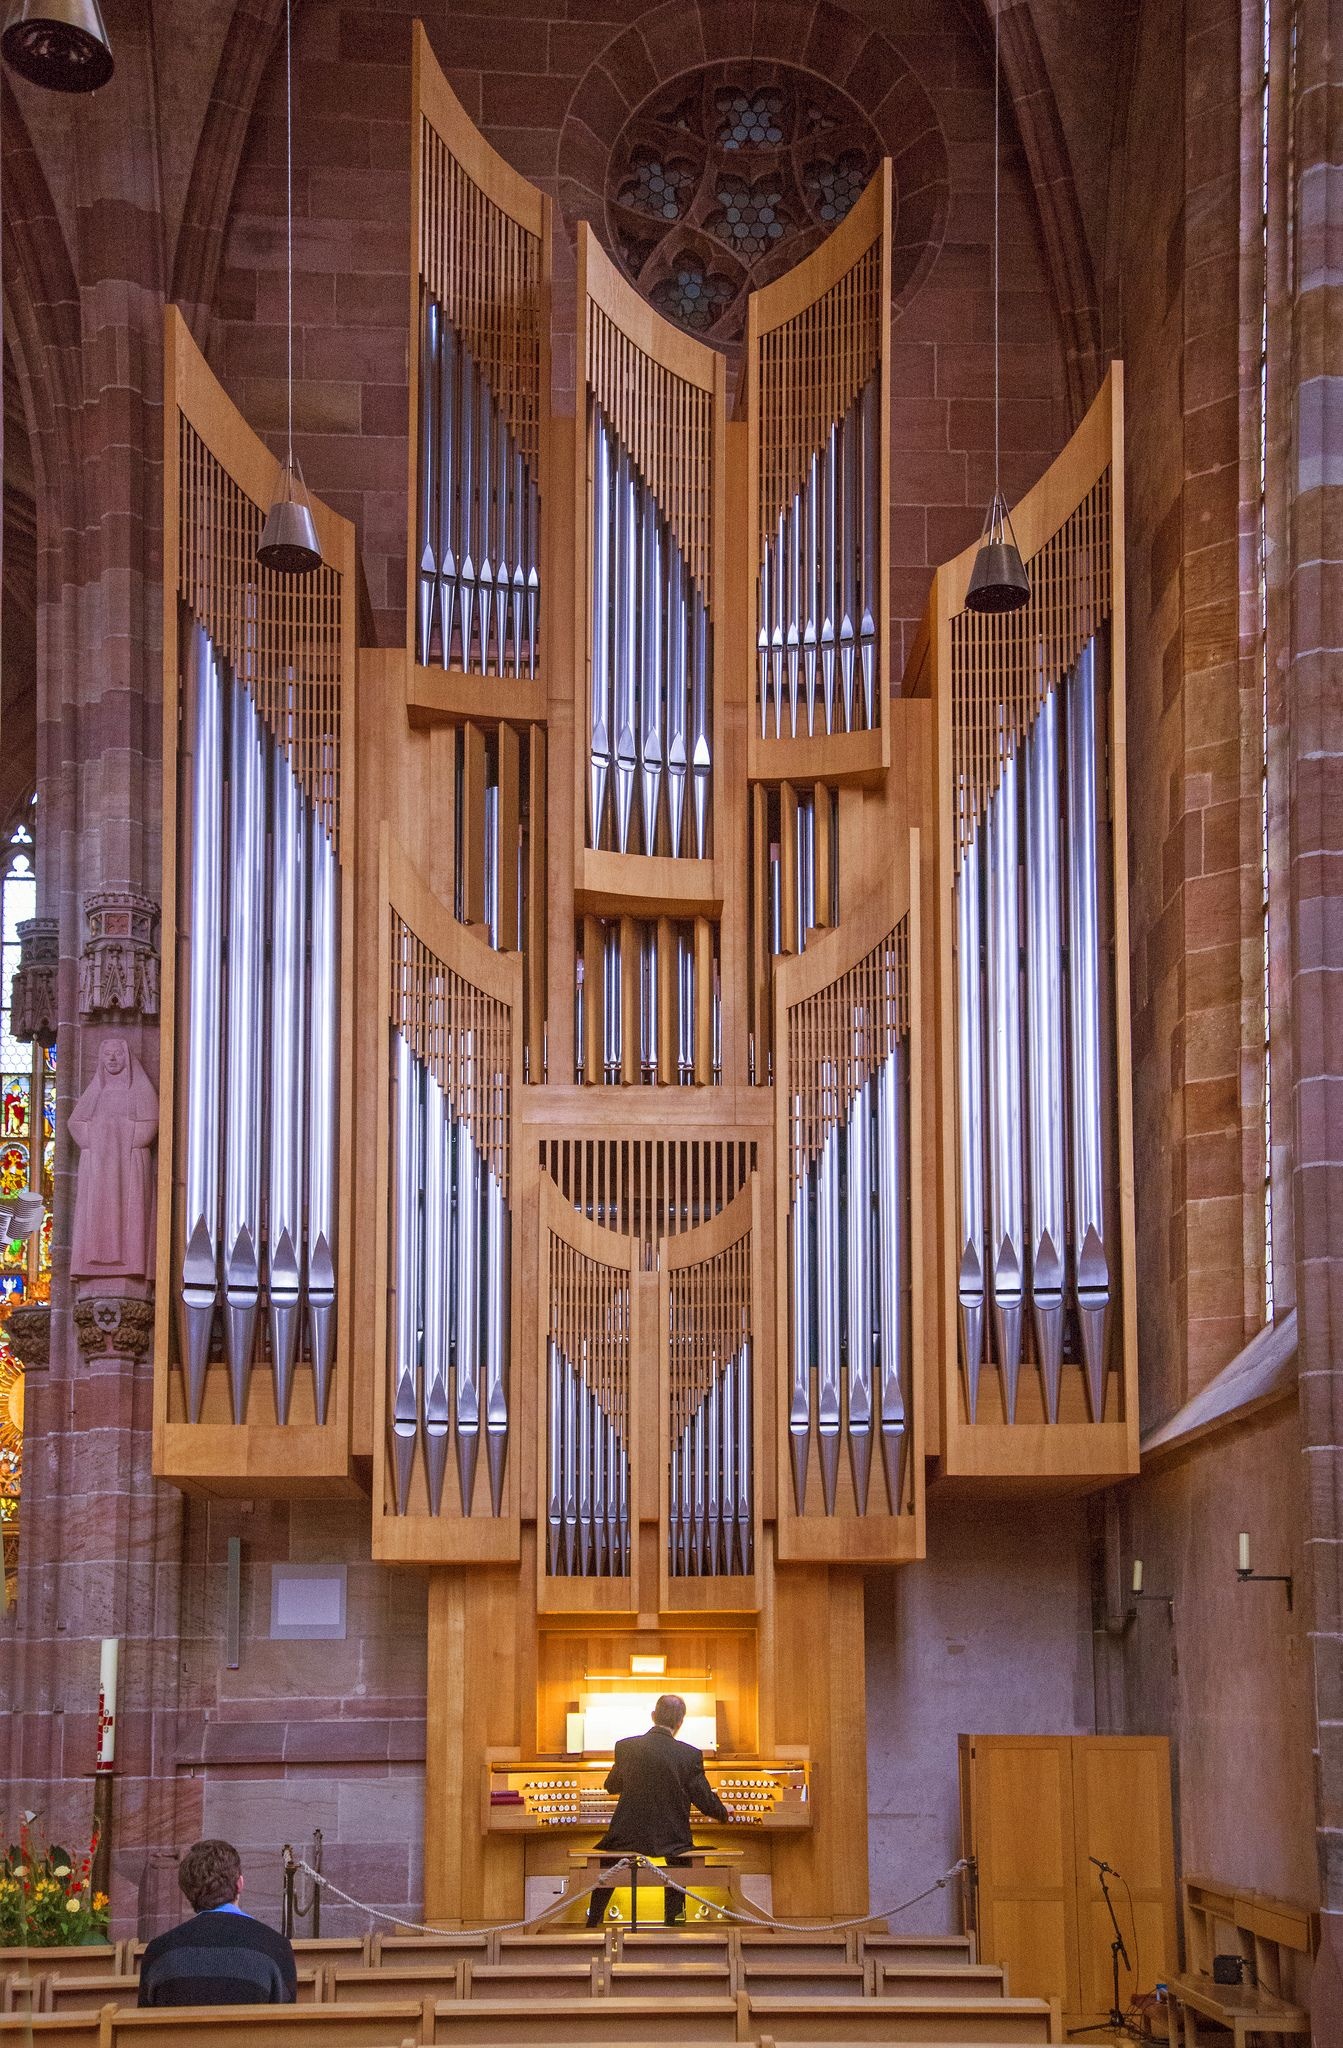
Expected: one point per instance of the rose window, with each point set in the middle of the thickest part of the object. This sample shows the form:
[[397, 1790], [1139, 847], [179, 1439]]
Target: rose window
[[725, 179]]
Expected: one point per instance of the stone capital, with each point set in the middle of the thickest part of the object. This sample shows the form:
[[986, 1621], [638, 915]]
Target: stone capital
[[114, 1326], [28, 1329], [119, 965], [34, 990]]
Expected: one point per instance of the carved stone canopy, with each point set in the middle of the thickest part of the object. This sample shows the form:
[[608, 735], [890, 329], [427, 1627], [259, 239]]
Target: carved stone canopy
[[114, 1326], [33, 998], [119, 968]]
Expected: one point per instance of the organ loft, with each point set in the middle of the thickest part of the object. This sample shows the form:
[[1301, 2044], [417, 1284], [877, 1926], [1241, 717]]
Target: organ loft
[[645, 1077]]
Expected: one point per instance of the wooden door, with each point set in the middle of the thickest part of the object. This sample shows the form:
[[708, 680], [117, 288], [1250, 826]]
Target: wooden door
[[1121, 1807], [1034, 1811], [1021, 1834]]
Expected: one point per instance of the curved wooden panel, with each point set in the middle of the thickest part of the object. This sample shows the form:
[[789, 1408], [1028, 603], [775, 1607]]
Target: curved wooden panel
[[452, 1008], [817, 397], [849, 1234], [481, 234], [649, 582], [663, 393], [1030, 758], [711, 1422], [479, 413], [589, 1500], [271, 660]]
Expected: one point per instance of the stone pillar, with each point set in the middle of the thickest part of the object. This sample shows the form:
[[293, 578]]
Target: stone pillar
[[101, 1548], [1315, 742]]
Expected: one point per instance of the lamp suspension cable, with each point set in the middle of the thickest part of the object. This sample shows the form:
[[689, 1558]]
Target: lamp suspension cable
[[998, 580], [289, 542], [289, 223], [997, 293]]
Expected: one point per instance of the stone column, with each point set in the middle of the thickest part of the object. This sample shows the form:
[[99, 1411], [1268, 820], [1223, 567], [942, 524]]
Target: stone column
[[101, 1543], [1315, 743]]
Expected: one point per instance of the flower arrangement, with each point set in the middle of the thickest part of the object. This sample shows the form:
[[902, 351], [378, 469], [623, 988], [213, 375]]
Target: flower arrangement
[[47, 1898]]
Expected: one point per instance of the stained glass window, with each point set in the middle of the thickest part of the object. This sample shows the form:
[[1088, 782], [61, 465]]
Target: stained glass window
[[27, 1159]]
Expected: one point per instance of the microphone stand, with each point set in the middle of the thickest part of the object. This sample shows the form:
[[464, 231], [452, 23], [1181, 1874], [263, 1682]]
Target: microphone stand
[[1116, 2021]]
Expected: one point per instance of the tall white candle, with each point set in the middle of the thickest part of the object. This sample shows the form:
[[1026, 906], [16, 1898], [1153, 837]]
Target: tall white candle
[[1244, 1553], [1137, 1575], [107, 1703]]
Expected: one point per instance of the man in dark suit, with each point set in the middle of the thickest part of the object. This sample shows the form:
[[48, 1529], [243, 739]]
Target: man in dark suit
[[658, 1780], [222, 1956]]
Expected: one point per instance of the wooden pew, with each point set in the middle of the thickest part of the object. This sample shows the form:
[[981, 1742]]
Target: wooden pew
[[424, 1951], [47, 2030], [434, 1980], [657, 1946], [597, 2023], [347, 1949], [837, 1947], [87, 1994], [933, 1980], [277, 2026], [854, 2020], [782, 1976], [534, 1951], [917, 1948], [91, 1994], [669, 1981], [515, 1981], [20, 1992]]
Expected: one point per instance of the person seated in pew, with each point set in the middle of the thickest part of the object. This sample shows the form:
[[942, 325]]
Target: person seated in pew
[[222, 1956], [658, 1780]]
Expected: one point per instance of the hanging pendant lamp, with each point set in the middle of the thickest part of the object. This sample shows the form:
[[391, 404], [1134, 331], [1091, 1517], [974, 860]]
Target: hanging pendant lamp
[[289, 542], [998, 580], [60, 44]]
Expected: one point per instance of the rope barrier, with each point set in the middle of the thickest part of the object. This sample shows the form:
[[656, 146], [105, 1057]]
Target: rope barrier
[[609, 1881]]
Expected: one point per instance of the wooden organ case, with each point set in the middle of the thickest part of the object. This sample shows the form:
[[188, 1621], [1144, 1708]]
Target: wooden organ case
[[639, 971]]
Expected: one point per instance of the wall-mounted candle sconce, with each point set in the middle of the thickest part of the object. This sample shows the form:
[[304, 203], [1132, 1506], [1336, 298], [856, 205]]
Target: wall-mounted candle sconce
[[1244, 1572], [1167, 1600]]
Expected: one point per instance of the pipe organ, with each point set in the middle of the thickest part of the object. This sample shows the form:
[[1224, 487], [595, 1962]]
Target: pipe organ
[[672, 1106]]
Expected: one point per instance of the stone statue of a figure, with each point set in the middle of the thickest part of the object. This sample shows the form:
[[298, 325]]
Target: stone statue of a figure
[[114, 1123]]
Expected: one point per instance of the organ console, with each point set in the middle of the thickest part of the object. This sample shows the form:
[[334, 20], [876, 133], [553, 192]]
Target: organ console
[[648, 1101]]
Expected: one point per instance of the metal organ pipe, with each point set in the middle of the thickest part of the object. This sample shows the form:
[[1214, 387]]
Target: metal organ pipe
[[243, 1061], [200, 1262], [819, 583], [436, 1269], [858, 1289], [799, 1404], [466, 1322], [893, 1275], [1090, 1249], [650, 719], [287, 1065], [497, 1321], [828, 1303], [408, 1268], [323, 1026], [479, 579], [600, 716], [1044, 1046], [1006, 1191], [970, 1271]]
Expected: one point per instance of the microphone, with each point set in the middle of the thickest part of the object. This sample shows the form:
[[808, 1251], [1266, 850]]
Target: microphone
[[1108, 1869]]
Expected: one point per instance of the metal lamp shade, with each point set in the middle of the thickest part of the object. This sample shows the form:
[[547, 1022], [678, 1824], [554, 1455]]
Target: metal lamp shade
[[289, 543], [998, 580], [59, 44]]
